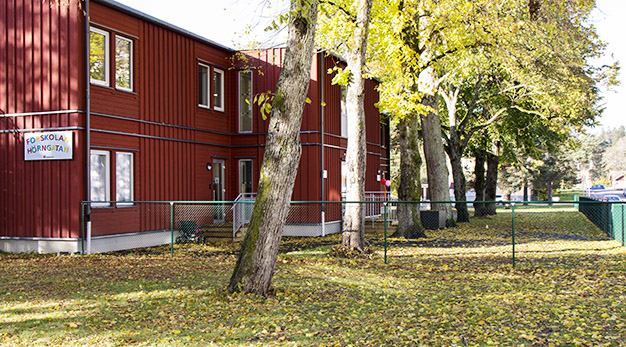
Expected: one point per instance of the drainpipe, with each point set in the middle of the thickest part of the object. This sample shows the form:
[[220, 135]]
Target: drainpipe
[[321, 79], [87, 131]]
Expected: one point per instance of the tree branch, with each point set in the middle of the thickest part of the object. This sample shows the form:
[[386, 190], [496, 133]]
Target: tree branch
[[350, 16], [472, 105], [484, 125]]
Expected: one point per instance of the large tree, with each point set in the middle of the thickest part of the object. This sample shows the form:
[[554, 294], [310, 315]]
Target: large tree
[[259, 249], [520, 68], [410, 185], [406, 56], [356, 154], [339, 24]]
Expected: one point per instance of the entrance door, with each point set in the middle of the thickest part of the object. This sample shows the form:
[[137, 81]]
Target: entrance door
[[219, 190], [245, 187]]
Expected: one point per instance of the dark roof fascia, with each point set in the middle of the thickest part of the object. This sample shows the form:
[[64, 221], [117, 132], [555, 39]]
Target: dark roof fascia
[[135, 13]]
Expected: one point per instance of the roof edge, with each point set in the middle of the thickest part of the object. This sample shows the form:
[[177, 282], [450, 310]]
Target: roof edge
[[148, 18]]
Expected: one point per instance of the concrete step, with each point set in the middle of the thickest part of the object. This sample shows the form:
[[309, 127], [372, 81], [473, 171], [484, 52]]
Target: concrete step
[[221, 233]]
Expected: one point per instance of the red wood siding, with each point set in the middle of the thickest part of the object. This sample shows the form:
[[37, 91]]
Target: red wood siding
[[172, 134], [40, 70], [159, 121], [372, 127]]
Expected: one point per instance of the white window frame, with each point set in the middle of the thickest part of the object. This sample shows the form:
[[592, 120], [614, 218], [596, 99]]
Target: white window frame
[[107, 59], [107, 177], [249, 102], [131, 62], [132, 178], [344, 112], [344, 179], [219, 82], [241, 161], [208, 85]]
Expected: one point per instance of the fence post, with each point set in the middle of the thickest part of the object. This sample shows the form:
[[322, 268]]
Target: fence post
[[608, 220], [172, 229], [513, 230], [385, 221], [623, 241], [82, 228]]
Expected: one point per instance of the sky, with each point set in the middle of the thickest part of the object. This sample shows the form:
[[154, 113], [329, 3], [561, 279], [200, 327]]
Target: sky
[[223, 21], [611, 27], [228, 21]]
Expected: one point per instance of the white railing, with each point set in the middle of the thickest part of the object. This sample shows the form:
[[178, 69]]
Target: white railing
[[242, 212], [375, 210]]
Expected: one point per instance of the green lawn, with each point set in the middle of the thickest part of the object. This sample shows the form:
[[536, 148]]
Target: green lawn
[[455, 288]]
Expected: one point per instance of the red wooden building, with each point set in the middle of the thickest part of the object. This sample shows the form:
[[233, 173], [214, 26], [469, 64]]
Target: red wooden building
[[162, 115]]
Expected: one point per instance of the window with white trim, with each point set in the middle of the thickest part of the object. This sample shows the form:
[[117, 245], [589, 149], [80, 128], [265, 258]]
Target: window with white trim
[[124, 177], [344, 112], [218, 89], [123, 63], [245, 101], [100, 179], [344, 179], [98, 57], [203, 86]]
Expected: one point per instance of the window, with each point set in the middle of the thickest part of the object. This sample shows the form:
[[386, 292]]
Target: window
[[99, 57], [245, 101], [344, 180], [383, 134], [218, 89], [100, 186], [344, 112], [245, 176], [203, 85], [124, 177], [123, 63]]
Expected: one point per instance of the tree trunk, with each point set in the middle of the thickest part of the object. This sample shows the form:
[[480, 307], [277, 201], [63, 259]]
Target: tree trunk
[[356, 153], [434, 153], [257, 257], [460, 184], [410, 186], [549, 189], [479, 186], [525, 193], [491, 182], [455, 153]]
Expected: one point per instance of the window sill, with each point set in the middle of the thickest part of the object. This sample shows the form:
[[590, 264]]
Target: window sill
[[101, 207], [100, 84], [125, 91], [206, 108], [129, 91]]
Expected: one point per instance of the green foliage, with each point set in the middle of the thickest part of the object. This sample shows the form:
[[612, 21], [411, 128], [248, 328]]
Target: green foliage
[[299, 10], [613, 157], [341, 76], [264, 100], [556, 169]]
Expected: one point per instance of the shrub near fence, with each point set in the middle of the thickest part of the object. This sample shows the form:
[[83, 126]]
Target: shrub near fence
[[608, 216]]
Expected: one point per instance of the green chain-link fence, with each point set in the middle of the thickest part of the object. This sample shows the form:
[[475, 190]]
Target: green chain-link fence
[[518, 234]]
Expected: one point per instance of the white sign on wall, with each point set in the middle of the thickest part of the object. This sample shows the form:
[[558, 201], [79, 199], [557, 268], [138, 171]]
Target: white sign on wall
[[53, 145]]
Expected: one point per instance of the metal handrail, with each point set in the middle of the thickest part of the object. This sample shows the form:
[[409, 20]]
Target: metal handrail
[[239, 218]]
